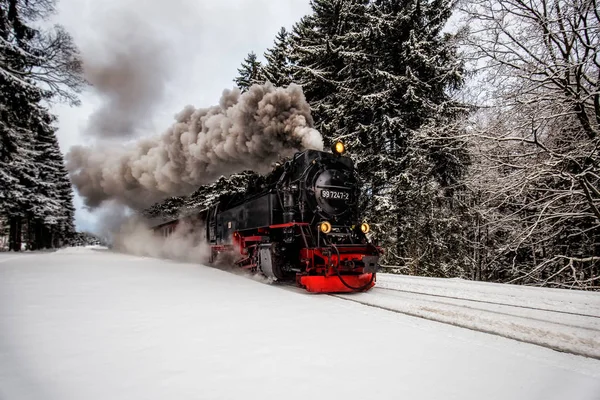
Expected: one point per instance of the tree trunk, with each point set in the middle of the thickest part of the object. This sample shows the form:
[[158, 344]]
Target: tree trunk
[[51, 237], [14, 234], [55, 238], [31, 245], [39, 234], [47, 237]]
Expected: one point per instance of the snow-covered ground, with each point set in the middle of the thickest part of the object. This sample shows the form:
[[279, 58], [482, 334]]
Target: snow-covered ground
[[559, 319], [91, 324]]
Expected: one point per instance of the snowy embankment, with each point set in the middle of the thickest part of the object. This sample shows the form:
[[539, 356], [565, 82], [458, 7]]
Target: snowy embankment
[[91, 324], [560, 319]]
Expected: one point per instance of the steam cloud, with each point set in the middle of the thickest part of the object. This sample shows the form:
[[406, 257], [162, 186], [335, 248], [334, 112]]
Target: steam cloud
[[187, 243], [128, 68], [245, 131]]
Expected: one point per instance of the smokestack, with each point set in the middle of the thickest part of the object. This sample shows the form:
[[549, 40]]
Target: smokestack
[[246, 131]]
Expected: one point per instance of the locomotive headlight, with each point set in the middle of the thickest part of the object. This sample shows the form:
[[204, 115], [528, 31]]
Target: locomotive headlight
[[325, 227], [339, 148], [365, 228]]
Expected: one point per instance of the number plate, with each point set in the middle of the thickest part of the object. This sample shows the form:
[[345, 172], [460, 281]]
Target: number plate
[[335, 194]]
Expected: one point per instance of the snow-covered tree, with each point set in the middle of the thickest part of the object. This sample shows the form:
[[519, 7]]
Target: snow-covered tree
[[86, 239], [540, 72], [379, 75], [66, 227], [277, 70], [46, 58], [250, 73], [165, 209], [35, 67], [225, 189], [18, 194], [54, 222], [318, 43], [47, 208]]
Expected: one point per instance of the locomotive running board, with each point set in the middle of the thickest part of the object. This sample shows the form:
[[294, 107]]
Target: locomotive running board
[[333, 284]]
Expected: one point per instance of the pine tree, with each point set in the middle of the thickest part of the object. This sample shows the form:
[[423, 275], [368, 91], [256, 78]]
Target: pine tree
[[319, 49], [167, 208], [401, 100], [35, 66], [223, 190], [378, 75], [17, 161], [86, 239], [278, 68], [424, 163], [54, 222], [46, 214], [251, 72], [66, 227]]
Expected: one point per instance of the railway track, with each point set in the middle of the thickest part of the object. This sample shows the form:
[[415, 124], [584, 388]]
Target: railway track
[[540, 321], [492, 302]]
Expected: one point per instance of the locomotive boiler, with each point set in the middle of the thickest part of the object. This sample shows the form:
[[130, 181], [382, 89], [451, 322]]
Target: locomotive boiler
[[299, 223]]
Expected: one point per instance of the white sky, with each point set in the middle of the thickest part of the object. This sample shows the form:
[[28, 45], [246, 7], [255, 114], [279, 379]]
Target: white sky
[[208, 39]]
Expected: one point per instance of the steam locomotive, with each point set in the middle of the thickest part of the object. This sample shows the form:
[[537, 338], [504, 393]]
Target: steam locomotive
[[300, 223]]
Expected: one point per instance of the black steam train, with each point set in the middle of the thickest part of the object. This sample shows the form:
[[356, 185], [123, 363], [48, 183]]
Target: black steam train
[[301, 222]]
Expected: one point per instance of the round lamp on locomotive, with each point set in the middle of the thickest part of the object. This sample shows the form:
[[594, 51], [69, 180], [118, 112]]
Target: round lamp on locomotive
[[365, 228], [325, 227], [338, 148]]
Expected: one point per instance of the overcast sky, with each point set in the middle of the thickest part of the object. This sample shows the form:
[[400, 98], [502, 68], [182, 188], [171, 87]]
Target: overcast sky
[[192, 49]]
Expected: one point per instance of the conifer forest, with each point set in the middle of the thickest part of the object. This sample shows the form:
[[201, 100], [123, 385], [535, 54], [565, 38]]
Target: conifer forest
[[36, 68], [475, 127]]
